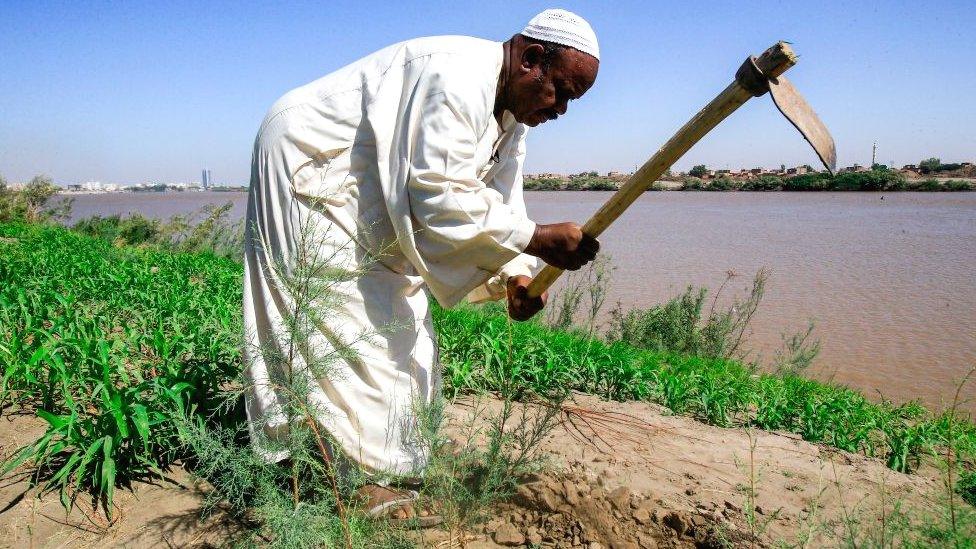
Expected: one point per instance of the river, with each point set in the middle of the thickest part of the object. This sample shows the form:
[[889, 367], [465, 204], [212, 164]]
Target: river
[[890, 283]]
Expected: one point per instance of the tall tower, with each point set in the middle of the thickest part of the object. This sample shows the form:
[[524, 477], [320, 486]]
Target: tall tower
[[874, 154], [206, 179]]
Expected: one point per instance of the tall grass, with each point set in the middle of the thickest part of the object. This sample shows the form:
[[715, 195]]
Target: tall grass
[[104, 343], [205, 230]]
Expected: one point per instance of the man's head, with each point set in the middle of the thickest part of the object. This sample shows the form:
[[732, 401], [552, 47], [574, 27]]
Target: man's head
[[553, 61]]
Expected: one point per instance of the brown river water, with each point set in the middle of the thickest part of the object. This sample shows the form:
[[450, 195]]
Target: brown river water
[[890, 284]]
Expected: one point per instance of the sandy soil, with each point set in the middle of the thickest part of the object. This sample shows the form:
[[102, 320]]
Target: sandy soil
[[621, 475]]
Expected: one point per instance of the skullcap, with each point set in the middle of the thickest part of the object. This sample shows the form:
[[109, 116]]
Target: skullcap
[[563, 27]]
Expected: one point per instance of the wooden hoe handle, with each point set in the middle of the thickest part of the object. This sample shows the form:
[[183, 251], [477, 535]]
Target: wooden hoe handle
[[751, 81]]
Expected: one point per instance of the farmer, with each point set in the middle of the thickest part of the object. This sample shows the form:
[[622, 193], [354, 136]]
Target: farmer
[[403, 171]]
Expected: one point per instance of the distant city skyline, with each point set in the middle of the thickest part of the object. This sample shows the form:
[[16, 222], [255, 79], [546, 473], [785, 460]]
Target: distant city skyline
[[132, 92]]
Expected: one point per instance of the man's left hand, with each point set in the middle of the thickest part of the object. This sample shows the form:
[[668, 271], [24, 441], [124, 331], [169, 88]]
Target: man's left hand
[[520, 305]]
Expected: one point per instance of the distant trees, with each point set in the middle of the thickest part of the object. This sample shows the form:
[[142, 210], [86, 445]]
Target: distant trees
[[29, 203], [935, 165], [698, 171], [929, 165], [763, 183], [584, 181]]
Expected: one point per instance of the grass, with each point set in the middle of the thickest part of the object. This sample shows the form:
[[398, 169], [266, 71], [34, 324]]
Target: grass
[[113, 345], [103, 342]]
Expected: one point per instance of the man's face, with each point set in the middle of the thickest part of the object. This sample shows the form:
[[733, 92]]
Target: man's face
[[539, 96]]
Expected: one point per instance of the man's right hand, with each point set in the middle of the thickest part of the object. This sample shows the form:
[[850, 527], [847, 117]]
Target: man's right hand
[[563, 245]]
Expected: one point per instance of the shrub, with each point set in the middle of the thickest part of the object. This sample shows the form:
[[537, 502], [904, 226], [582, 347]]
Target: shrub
[[542, 184], [723, 184], [967, 487], [30, 203], [925, 185], [132, 230], [958, 185], [681, 326], [808, 182], [763, 183], [929, 165]]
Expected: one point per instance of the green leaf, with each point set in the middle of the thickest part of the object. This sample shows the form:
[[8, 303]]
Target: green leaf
[[56, 422], [141, 420]]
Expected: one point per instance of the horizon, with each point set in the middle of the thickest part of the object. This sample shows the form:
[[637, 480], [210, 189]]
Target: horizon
[[134, 93]]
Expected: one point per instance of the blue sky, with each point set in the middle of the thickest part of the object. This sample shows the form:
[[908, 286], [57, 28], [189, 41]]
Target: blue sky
[[128, 91]]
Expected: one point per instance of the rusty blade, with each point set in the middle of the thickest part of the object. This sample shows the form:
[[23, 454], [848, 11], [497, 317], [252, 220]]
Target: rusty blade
[[796, 109]]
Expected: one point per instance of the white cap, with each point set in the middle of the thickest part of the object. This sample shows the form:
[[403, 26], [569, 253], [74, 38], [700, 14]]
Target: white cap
[[563, 27]]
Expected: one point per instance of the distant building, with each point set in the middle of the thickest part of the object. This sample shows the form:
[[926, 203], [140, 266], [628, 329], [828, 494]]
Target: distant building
[[206, 180], [799, 170], [910, 167], [548, 175]]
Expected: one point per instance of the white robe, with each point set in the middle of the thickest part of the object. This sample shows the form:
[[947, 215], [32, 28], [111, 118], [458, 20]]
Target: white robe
[[399, 167]]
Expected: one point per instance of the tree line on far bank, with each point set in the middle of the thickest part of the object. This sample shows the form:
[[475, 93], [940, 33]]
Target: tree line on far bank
[[879, 178]]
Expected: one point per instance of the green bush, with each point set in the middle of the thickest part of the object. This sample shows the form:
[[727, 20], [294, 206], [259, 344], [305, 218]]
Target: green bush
[[763, 183], [30, 203], [808, 182], [873, 180], [929, 165], [723, 184], [967, 487], [542, 184], [925, 185], [681, 326], [133, 229], [957, 185]]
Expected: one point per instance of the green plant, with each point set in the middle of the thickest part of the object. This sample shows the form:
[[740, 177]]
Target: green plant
[[105, 343], [681, 325], [588, 286], [929, 165], [164, 329], [133, 229], [763, 183], [30, 203]]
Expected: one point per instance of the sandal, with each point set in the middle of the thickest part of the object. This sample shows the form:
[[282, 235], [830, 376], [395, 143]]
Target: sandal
[[398, 506]]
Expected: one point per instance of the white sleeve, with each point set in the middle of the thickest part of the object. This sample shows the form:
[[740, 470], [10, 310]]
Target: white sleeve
[[459, 219], [507, 180]]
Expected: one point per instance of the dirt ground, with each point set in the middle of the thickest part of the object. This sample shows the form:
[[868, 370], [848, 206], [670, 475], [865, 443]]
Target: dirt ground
[[620, 475]]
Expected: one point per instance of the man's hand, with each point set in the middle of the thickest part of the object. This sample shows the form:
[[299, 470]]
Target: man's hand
[[563, 245], [520, 305]]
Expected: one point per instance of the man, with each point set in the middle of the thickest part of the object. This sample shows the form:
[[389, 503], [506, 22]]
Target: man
[[407, 167]]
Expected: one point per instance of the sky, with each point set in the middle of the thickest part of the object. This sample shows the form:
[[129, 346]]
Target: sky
[[128, 92]]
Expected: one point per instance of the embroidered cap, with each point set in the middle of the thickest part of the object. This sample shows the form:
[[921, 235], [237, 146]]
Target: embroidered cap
[[563, 27]]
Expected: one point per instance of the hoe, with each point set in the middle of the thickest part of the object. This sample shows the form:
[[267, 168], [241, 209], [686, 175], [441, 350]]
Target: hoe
[[755, 77]]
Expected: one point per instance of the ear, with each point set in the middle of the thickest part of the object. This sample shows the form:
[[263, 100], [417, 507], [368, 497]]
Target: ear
[[531, 58]]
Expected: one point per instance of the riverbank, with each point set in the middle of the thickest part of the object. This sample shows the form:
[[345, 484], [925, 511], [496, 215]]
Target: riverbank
[[102, 340], [879, 180], [618, 474]]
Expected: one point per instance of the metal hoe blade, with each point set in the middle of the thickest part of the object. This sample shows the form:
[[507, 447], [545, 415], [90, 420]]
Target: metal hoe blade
[[798, 112]]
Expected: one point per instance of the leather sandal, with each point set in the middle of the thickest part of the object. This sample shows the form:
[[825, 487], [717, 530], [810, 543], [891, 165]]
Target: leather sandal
[[398, 506]]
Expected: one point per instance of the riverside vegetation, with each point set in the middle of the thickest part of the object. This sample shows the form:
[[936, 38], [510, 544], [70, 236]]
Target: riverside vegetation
[[131, 354], [880, 178]]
